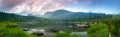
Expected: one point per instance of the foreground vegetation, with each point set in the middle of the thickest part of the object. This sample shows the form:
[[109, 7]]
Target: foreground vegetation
[[10, 29], [98, 30], [66, 34], [105, 28]]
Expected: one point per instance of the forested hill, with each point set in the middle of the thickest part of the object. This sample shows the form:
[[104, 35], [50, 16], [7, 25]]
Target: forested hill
[[68, 15], [62, 15], [17, 18]]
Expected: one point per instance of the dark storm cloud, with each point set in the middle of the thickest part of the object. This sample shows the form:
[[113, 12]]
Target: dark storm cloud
[[8, 4]]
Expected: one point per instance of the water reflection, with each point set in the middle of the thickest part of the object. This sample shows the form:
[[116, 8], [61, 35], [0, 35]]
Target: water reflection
[[51, 28]]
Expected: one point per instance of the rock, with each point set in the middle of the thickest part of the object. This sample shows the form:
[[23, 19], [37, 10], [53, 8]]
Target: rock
[[38, 33], [53, 30], [26, 29]]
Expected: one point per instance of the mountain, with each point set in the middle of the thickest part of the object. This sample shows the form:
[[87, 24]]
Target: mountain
[[17, 18], [56, 15], [68, 15]]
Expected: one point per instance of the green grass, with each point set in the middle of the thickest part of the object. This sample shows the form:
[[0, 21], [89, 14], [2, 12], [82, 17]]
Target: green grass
[[66, 34], [98, 30], [11, 29]]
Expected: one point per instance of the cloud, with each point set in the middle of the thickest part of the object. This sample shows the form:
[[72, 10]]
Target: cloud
[[8, 4], [41, 6], [35, 6], [0, 2]]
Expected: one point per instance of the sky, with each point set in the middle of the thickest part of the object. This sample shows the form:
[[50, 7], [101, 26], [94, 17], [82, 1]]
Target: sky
[[43, 6]]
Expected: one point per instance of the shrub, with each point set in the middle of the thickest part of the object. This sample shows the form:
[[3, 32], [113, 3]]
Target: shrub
[[74, 35], [62, 34], [66, 34], [98, 30], [9, 29]]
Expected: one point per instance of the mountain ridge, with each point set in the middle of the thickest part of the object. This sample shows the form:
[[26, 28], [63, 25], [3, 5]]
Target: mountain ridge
[[68, 15]]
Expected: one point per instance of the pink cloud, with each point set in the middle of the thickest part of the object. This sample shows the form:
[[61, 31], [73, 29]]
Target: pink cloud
[[42, 6], [10, 3], [36, 6]]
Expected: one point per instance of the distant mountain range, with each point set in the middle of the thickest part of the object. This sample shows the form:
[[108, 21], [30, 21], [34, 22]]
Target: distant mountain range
[[56, 15], [17, 18], [68, 15]]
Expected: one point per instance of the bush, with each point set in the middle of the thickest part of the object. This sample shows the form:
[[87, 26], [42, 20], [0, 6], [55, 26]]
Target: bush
[[10, 29], [62, 34], [115, 22], [114, 25], [8, 24], [66, 34], [74, 35], [98, 30], [5, 32]]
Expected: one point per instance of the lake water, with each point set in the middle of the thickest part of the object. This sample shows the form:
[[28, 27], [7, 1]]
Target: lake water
[[58, 27]]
